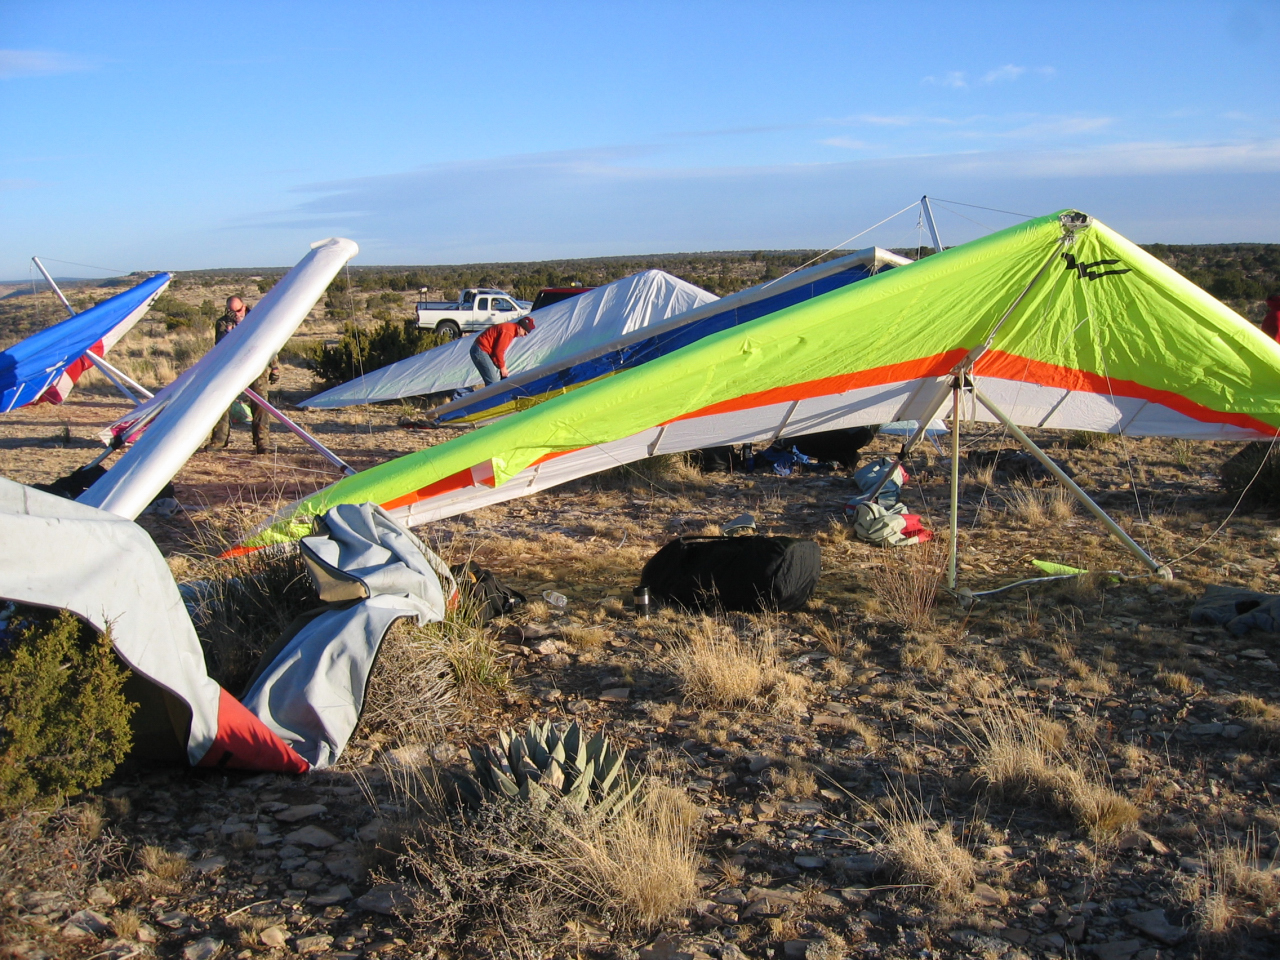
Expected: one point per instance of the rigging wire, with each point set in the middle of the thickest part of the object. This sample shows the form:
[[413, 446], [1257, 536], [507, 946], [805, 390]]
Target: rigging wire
[[110, 270], [961, 215], [839, 245], [1012, 213]]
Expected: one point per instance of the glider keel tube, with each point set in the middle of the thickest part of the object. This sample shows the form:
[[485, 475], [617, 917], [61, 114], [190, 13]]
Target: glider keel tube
[[183, 425]]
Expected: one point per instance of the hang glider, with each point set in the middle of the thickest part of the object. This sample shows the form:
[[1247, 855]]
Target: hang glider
[[179, 418], [564, 329], [46, 366], [633, 348], [1060, 321]]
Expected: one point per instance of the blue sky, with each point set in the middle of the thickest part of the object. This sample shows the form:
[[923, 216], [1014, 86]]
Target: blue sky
[[178, 136]]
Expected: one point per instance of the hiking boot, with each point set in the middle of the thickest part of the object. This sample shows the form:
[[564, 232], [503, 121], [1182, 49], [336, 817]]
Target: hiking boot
[[260, 448]]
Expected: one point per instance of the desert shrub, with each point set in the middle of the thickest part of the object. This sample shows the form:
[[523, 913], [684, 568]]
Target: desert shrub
[[64, 719], [907, 583], [1253, 475], [361, 351]]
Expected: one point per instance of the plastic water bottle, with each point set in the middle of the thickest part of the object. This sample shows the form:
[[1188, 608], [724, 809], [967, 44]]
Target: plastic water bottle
[[555, 599]]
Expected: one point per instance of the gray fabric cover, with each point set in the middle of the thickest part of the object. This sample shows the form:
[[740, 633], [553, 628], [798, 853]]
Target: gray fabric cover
[[1238, 610], [312, 693], [106, 569]]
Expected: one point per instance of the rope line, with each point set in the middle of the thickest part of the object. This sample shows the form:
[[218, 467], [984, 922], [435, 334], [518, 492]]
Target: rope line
[[1012, 213]]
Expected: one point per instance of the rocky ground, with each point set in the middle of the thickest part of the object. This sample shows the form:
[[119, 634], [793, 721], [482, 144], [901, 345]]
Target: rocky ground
[[1150, 833]]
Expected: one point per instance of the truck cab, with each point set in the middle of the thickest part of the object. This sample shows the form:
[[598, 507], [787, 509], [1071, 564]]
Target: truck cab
[[476, 309]]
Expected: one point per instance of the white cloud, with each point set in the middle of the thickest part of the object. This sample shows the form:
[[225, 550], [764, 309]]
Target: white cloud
[[37, 63], [847, 142], [954, 78], [1005, 73]]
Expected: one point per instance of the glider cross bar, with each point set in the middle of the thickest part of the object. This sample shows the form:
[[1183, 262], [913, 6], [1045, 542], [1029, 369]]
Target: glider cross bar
[[301, 434]]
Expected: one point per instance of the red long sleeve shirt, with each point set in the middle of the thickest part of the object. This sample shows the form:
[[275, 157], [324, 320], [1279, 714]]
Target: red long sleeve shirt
[[495, 340]]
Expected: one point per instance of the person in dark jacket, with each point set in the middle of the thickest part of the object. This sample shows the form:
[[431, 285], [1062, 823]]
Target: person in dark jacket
[[489, 352], [236, 311], [1271, 322]]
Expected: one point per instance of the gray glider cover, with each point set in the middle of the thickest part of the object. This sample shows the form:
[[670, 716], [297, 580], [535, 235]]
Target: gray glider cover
[[306, 699]]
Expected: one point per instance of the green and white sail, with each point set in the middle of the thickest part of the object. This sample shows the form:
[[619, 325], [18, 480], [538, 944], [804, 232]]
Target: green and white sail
[[1061, 321]]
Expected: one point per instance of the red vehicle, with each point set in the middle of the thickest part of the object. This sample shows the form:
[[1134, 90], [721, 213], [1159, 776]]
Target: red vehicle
[[549, 295]]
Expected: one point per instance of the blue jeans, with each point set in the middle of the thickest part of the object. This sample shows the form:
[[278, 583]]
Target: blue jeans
[[484, 363]]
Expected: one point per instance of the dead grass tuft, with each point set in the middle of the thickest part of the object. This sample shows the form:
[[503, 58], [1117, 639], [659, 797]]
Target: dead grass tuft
[[921, 851], [718, 669], [1175, 682], [1024, 757], [926, 654], [906, 584], [1238, 889]]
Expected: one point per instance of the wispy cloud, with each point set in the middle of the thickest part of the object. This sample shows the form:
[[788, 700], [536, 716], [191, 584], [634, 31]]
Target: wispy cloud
[[592, 202], [847, 143], [954, 78], [38, 63], [958, 79], [1003, 74]]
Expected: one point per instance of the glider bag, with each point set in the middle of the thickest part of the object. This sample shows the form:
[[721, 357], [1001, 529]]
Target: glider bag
[[734, 573]]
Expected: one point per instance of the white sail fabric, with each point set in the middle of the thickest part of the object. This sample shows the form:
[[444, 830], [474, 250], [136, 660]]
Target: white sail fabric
[[190, 412], [563, 329]]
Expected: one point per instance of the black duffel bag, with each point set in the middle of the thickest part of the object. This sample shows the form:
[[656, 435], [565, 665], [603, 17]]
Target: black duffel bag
[[734, 573]]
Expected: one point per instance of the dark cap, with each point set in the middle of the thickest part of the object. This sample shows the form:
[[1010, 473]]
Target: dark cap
[[527, 323]]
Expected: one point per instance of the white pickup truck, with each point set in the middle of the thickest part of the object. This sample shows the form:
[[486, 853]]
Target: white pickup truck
[[479, 307]]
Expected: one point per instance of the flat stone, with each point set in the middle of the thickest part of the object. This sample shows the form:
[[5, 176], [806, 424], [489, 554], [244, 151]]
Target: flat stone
[[1193, 865], [988, 895], [99, 897], [798, 949], [301, 812], [316, 944], [274, 937], [86, 923], [861, 863], [801, 807], [1206, 729], [1015, 935], [732, 896], [206, 948], [757, 762], [146, 933], [312, 836], [1116, 949], [339, 894], [348, 867], [369, 832], [1154, 925], [209, 865], [665, 948], [810, 863], [390, 899], [305, 879], [45, 902], [616, 694], [173, 919]]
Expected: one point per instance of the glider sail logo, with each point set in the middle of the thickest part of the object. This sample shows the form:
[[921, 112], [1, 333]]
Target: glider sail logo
[[1088, 271]]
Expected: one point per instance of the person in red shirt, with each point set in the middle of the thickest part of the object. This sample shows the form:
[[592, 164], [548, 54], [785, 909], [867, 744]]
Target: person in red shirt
[[489, 352], [1271, 322]]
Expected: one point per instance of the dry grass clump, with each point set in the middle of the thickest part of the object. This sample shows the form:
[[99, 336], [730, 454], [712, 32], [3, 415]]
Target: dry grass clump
[[510, 879], [1237, 889], [926, 654], [922, 851], [64, 849], [1175, 682], [242, 605], [411, 690], [1037, 505], [1024, 757], [163, 871], [584, 638], [720, 670], [906, 584]]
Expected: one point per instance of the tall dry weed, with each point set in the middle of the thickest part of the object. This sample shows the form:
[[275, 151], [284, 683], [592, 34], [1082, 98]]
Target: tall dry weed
[[1238, 888], [923, 852], [906, 584], [1021, 756]]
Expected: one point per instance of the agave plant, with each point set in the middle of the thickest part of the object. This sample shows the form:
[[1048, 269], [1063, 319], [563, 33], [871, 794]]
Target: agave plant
[[543, 764]]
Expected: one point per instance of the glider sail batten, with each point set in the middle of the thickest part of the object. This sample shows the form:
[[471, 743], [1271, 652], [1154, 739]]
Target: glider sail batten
[[1134, 346]]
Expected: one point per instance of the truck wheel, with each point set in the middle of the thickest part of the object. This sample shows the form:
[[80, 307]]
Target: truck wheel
[[448, 329]]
